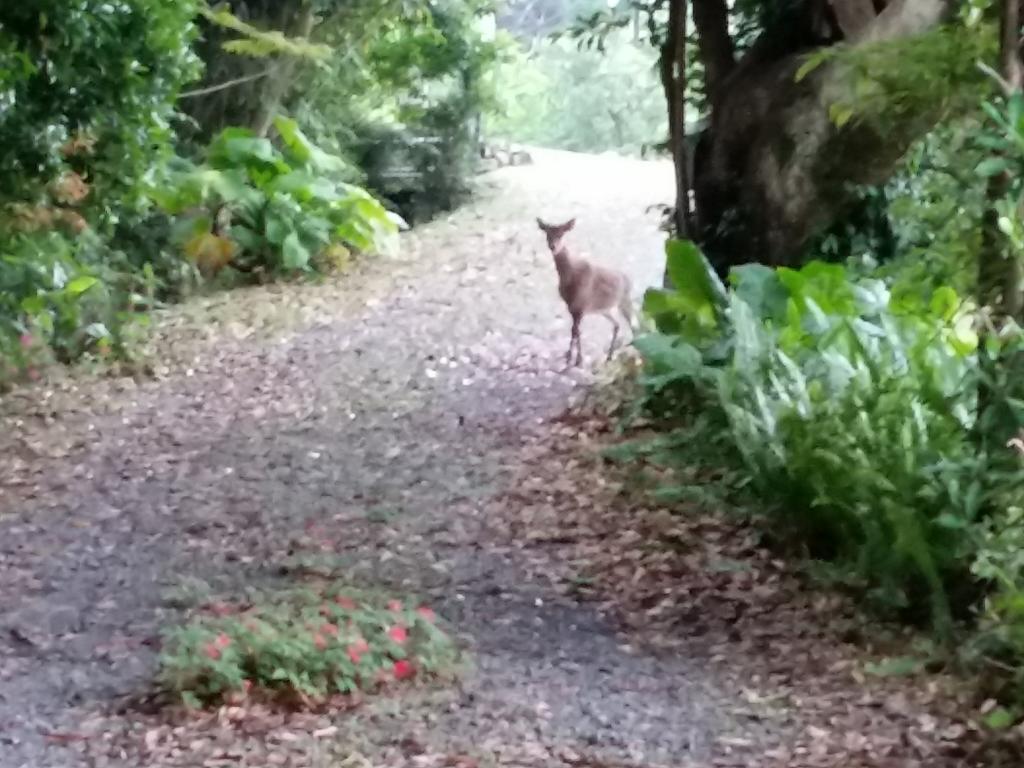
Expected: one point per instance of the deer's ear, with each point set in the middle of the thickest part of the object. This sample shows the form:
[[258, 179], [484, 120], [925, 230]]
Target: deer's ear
[[542, 225], [569, 224]]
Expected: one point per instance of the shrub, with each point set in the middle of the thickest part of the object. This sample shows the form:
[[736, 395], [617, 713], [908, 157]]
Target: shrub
[[303, 645], [406, 116], [87, 94], [94, 84], [852, 412], [287, 204], [58, 300]]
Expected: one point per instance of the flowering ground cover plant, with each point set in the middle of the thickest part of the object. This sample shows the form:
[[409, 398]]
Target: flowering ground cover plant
[[303, 646]]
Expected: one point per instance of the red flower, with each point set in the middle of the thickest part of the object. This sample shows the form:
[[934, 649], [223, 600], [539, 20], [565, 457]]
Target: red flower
[[345, 602], [398, 634], [25, 340], [212, 651], [395, 605], [403, 669], [330, 629], [320, 642], [426, 613], [222, 641], [357, 648]]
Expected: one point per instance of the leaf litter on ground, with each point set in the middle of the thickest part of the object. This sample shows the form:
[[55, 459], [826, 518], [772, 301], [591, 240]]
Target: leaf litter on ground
[[692, 579]]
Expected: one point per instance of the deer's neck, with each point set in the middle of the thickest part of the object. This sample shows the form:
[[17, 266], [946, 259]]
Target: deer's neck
[[563, 261]]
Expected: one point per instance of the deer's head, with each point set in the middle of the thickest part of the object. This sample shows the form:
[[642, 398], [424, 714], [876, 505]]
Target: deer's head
[[555, 233]]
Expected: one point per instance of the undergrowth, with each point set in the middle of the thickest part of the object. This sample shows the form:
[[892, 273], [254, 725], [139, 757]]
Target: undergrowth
[[848, 416], [302, 646]]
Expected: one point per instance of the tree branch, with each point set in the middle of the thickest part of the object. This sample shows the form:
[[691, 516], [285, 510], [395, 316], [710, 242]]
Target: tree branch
[[223, 86], [903, 18], [673, 80], [302, 25], [853, 16]]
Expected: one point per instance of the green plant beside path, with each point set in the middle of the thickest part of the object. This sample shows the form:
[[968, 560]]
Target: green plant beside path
[[303, 646], [852, 411]]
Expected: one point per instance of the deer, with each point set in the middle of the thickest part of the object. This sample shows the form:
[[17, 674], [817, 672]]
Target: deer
[[587, 288]]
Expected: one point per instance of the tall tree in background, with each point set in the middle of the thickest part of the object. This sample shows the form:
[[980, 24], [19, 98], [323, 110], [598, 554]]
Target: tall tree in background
[[804, 101], [999, 260], [247, 89], [775, 165], [672, 63], [999, 268]]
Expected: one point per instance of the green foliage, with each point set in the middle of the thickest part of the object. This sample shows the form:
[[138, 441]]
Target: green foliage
[[555, 94], [92, 187], [58, 300], [87, 93], [403, 100], [908, 80], [287, 204], [261, 43], [935, 202], [88, 73], [302, 645], [852, 409]]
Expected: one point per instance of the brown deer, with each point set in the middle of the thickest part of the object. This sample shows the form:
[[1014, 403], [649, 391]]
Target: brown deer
[[587, 288]]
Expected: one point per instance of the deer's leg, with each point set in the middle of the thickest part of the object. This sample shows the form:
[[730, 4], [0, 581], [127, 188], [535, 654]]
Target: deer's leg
[[615, 333], [575, 341]]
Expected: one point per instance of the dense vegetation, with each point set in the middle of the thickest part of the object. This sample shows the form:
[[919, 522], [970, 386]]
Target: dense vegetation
[[552, 93], [863, 374], [152, 145], [869, 394]]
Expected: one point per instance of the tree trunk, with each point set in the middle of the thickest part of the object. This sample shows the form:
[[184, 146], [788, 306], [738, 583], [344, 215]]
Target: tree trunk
[[280, 81], [250, 102], [773, 169], [999, 269], [673, 79]]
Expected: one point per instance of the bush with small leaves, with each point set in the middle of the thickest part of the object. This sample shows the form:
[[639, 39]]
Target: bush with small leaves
[[303, 646]]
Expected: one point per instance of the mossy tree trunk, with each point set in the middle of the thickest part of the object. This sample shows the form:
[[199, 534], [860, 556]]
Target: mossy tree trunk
[[773, 169]]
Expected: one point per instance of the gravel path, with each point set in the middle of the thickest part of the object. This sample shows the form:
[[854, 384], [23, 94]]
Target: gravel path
[[375, 421]]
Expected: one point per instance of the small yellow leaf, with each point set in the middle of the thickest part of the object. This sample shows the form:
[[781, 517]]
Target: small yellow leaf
[[210, 252], [840, 114], [334, 258]]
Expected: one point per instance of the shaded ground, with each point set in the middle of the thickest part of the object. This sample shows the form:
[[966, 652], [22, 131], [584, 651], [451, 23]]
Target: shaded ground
[[395, 426]]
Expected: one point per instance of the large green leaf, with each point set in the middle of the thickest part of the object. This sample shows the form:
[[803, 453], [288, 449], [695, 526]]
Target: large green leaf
[[675, 314], [294, 254], [759, 286], [667, 360], [236, 147], [305, 151], [278, 228], [827, 286], [692, 277], [247, 239], [80, 285], [305, 186]]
